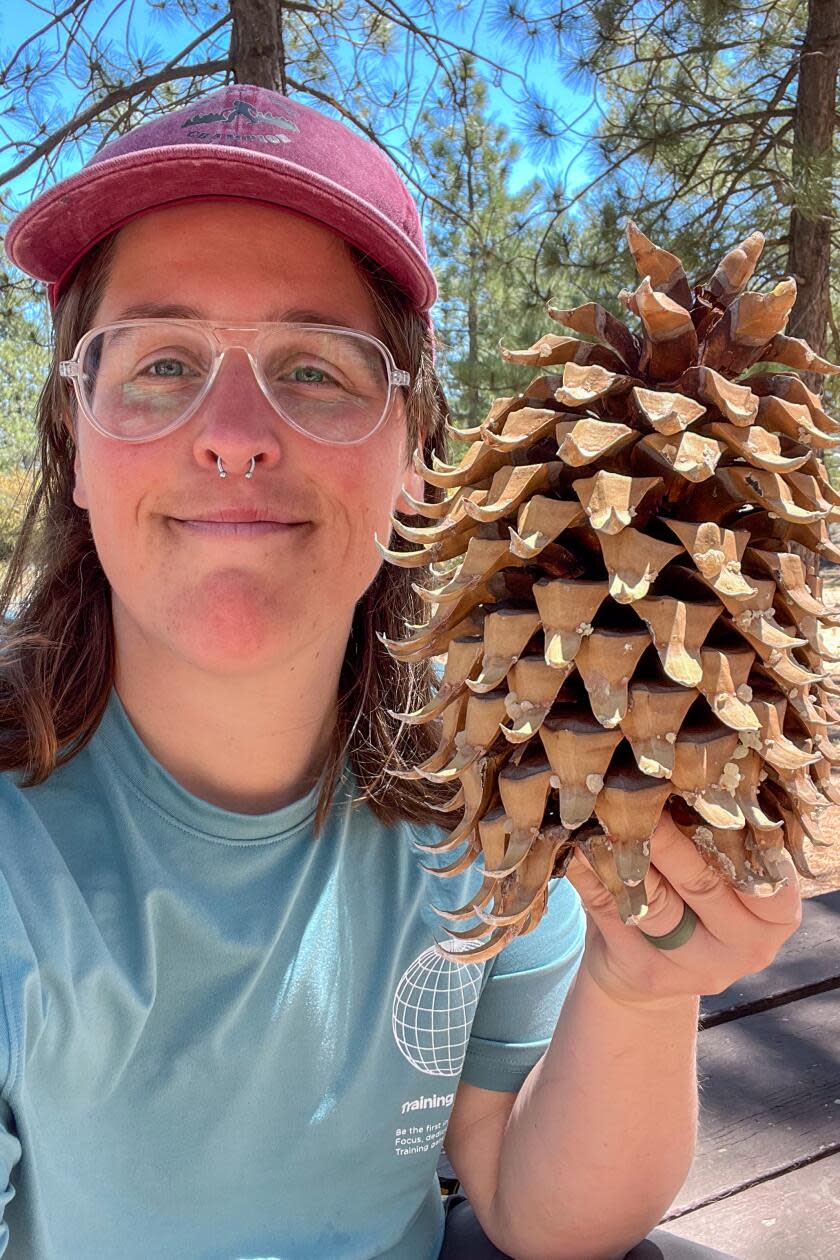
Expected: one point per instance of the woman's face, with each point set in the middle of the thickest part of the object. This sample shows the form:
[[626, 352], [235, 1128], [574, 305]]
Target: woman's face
[[239, 604]]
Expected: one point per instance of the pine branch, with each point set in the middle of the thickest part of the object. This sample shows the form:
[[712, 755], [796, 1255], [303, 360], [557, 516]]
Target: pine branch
[[371, 135], [54, 21], [112, 98]]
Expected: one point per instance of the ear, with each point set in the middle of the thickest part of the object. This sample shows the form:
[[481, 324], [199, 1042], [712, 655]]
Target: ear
[[79, 491], [413, 483]]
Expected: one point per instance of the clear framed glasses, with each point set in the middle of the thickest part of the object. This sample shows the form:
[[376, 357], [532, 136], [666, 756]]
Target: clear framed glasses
[[139, 379]]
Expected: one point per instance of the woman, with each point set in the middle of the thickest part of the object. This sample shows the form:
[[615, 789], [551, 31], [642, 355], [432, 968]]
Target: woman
[[225, 1031]]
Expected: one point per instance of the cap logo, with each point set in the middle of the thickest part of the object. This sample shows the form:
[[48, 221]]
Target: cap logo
[[252, 117]]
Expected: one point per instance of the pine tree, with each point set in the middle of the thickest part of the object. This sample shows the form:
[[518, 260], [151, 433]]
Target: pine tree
[[23, 366], [483, 249], [718, 118]]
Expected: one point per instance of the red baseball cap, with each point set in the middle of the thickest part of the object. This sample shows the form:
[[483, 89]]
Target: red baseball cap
[[239, 143]]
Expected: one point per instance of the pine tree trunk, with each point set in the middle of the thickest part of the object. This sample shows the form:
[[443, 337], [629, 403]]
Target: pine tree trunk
[[472, 303], [256, 46], [811, 219], [472, 347]]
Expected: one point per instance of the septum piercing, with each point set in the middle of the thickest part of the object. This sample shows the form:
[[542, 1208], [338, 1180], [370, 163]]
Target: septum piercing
[[248, 474]]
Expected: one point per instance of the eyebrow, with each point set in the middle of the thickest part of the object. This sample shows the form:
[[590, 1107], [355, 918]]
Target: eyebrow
[[168, 310]]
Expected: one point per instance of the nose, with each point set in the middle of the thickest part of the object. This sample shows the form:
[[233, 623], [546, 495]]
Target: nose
[[236, 423]]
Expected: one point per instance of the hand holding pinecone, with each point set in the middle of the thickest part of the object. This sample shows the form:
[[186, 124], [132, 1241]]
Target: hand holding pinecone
[[634, 624]]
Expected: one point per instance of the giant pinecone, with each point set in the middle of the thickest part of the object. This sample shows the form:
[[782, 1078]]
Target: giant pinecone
[[633, 623]]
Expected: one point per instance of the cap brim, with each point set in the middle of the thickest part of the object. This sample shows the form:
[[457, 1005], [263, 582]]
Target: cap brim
[[50, 237]]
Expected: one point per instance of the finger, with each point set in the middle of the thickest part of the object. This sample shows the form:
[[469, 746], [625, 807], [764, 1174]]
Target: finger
[[679, 876], [774, 905], [727, 912], [632, 955], [665, 905], [595, 897], [601, 904]]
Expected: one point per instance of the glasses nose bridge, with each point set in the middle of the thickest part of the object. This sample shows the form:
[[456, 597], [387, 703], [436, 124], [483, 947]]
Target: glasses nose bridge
[[243, 337]]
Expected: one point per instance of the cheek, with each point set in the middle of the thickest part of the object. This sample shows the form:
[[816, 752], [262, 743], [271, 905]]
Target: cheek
[[370, 496], [368, 490], [115, 479]]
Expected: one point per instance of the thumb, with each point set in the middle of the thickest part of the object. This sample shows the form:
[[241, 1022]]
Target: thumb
[[594, 894]]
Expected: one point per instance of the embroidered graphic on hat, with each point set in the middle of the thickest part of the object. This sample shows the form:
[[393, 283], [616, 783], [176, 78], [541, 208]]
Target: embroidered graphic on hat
[[243, 143], [244, 110]]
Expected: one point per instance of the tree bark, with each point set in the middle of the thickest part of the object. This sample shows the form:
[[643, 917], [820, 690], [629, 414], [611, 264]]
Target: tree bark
[[256, 44], [472, 304], [812, 168]]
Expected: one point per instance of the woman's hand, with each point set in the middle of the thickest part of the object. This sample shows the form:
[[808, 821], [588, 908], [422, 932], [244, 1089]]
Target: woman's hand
[[736, 933]]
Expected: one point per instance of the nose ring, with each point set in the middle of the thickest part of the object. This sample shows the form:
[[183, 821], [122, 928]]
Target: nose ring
[[249, 474]]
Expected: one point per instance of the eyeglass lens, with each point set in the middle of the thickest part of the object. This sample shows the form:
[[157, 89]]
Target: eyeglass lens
[[139, 379]]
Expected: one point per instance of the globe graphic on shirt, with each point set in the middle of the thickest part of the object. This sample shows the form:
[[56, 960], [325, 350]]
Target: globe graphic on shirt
[[433, 1010]]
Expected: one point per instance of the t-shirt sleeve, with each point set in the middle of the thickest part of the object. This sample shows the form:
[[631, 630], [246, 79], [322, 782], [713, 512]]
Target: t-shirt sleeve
[[522, 998], [10, 1152], [18, 982]]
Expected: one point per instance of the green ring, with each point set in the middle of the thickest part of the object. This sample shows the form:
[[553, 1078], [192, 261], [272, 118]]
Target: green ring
[[680, 934]]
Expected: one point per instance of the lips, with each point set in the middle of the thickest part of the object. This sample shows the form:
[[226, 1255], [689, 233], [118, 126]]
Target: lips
[[241, 516], [237, 529]]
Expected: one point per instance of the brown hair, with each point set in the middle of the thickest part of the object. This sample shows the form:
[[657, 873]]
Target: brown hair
[[57, 653]]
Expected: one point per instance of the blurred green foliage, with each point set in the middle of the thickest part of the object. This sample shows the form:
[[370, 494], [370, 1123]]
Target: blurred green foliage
[[24, 359]]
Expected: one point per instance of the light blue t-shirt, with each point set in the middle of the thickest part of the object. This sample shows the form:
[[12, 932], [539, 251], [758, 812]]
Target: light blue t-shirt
[[222, 1039]]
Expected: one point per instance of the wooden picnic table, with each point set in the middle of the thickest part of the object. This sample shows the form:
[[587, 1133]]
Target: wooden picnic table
[[765, 1182]]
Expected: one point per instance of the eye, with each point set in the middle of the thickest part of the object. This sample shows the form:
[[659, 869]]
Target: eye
[[166, 367], [307, 374]]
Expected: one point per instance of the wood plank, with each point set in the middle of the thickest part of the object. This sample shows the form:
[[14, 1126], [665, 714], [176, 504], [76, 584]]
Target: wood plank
[[810, 958], [787, 1218], [769, 1094], [768, 1090]]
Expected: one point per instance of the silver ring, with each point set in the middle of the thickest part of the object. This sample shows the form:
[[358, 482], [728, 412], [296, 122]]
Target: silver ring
[[679, 935], [249, 474]]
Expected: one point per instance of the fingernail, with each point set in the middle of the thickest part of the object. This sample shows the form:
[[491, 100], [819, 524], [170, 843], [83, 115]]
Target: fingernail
[[770, 890]]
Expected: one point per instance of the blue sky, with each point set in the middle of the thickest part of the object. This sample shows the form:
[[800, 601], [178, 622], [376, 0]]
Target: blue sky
[[18, 19]]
